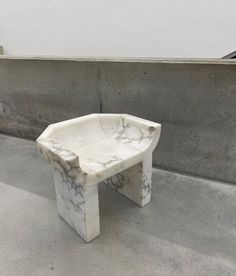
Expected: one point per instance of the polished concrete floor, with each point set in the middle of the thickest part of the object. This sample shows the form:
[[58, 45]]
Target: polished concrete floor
[[189, 228]]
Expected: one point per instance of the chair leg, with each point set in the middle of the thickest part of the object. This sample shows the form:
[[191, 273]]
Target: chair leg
[[135, 182], [78, 206]]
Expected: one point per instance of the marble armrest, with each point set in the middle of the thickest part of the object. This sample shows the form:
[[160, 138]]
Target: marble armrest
[[49, 146], [62, 159]]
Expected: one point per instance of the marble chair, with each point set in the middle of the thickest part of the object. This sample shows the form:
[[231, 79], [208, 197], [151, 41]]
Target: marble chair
[[114, 148]]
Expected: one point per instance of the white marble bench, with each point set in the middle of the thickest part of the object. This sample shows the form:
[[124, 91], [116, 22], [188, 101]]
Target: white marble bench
[[84, 151]]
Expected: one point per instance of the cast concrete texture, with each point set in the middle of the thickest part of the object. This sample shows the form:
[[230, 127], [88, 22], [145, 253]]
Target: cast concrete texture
[[189, 228], [194, 100]]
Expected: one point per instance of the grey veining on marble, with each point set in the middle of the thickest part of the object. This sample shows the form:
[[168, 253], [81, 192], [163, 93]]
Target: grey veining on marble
[[84, 151], [135, 182]]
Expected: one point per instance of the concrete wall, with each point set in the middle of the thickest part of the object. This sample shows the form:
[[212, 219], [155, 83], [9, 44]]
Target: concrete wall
[[138, 28], [194, 100]]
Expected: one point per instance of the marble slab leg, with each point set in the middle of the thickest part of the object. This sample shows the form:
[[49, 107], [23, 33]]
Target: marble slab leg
[[135, 182], [78, 206]]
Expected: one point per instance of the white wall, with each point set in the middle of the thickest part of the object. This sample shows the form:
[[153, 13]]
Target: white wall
[[154, 28]]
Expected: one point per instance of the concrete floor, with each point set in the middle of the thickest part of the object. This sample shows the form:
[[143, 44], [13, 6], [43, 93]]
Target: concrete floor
[[188, 229]]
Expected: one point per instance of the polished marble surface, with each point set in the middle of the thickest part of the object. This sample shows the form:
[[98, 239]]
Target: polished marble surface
[[103, 144], [86, 150]]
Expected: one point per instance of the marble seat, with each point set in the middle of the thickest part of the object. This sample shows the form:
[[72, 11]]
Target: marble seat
[[115, 148]]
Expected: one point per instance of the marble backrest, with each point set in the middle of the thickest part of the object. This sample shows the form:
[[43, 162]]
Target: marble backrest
[[122, 128]]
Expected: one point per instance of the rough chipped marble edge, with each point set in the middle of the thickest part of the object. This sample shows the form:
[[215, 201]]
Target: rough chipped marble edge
[[65, 161]]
